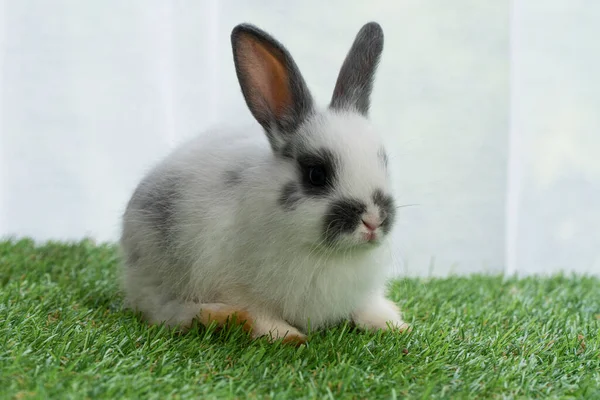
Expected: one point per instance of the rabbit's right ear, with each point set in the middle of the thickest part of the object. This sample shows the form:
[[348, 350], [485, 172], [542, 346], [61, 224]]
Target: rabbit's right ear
[[271, 83]]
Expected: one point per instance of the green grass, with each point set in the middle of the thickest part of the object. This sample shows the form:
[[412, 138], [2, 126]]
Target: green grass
[[63, 334]]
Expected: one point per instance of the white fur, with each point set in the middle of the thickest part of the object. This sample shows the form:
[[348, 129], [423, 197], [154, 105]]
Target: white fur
[[379, 313], [237, 246]]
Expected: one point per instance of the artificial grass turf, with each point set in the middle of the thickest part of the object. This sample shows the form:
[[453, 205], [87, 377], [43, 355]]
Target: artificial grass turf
[[63, 334]]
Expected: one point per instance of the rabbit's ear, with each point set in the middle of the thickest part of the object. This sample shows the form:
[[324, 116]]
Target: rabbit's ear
[[271, 83], [355, 80]]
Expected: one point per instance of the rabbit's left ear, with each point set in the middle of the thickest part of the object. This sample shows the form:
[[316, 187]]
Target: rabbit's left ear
[[355, 80], [271, 83]]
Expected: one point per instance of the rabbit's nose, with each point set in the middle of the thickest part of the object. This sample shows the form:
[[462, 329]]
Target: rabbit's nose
[[371, 221]]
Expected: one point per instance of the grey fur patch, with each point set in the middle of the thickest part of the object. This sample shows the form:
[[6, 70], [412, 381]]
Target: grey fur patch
[[294, 146], [133, 257], [387, 209], [288, 151], [355, 80], [158, 204], [233, 178], [277, 128], [342, 217], [290, 196]]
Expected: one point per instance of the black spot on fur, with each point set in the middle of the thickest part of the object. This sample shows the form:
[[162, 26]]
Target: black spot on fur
[[290, 196], [323, 159], [233, 178], [343, 216], [158, 204], [387, 209]]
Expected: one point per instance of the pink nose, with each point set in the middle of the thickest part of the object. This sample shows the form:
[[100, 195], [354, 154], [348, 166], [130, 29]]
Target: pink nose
[[371, 223]]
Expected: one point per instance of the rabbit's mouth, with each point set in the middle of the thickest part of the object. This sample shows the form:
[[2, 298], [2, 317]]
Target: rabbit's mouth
[[370, 240], [359, 240]]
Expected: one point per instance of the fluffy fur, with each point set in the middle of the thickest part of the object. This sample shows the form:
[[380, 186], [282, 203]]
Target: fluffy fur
[[232, 224]]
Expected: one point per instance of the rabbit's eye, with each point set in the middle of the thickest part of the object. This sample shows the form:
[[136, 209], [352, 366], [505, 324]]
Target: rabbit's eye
[[317, 172], [317, 176]]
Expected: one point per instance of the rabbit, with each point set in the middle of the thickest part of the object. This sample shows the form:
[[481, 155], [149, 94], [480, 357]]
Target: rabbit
[[278, 227]]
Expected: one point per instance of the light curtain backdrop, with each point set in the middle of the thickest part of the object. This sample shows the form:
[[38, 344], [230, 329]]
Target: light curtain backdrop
[[491, 110]]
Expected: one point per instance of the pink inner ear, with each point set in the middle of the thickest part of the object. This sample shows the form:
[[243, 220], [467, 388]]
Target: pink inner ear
[[268, 79]]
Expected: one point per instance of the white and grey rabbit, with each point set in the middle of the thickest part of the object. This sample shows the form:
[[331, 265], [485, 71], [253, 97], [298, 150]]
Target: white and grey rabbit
[[280, 226]]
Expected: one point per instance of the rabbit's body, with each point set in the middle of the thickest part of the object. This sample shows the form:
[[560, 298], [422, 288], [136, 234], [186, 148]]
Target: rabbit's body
[[233, 223]]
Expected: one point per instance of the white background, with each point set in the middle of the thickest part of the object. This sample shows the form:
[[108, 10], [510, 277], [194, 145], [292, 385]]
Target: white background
[[491, 110]]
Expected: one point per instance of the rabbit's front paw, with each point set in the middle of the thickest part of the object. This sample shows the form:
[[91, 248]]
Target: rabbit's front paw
[[380, 314]]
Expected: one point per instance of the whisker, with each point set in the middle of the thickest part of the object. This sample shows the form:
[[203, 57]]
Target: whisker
[[407, 205]]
